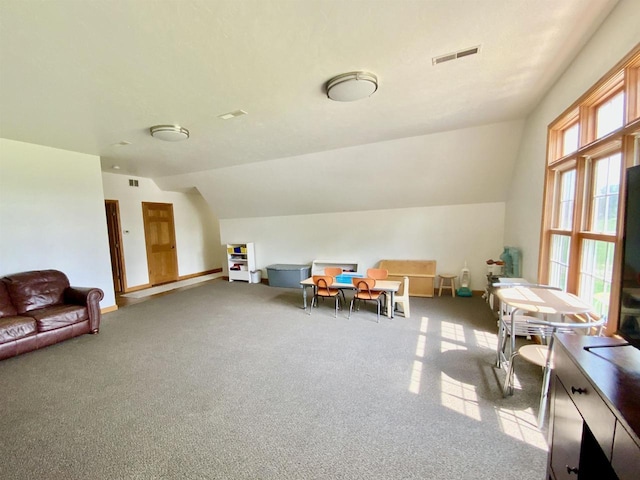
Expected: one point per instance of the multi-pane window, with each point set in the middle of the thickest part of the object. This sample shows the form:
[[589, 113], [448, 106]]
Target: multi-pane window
[[559, 261], [570, 139], [606, 191], [566, 199], [610, 115], [590, 146], [596, 269]]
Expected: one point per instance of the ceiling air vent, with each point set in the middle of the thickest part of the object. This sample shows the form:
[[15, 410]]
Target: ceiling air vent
[[455, 55], [133, 183], [227, 116]]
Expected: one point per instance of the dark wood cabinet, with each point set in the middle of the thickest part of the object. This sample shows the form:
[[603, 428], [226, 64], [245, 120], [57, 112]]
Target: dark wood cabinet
[[566, 436], [625, 459], [595, 410]]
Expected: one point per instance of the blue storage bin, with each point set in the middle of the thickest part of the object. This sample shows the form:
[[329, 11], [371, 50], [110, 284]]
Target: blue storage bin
[[345, 277]]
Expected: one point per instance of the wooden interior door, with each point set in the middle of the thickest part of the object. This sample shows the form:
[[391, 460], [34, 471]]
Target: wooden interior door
[[115, 245], [160, 238]]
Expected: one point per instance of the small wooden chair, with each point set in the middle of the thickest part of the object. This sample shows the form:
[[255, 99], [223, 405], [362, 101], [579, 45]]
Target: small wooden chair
[[402, 297], [322, 288], [365, 293]]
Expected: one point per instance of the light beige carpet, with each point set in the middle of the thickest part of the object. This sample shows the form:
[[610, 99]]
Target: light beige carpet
[[235, 381]]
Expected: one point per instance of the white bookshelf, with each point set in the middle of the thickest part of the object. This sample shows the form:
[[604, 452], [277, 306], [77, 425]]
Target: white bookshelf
[[241, 261]]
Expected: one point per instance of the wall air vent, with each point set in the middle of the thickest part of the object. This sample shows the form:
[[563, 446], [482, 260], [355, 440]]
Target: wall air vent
[[455, 55], [133, 183]]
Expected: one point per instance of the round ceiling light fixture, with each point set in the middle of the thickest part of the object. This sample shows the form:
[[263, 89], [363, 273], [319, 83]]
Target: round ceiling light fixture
[[169, 133], [351, 86]]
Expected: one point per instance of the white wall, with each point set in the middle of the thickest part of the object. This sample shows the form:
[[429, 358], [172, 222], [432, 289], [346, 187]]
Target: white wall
[[448, 234], [470, 165], [52, 215], [197, 230], [433, 197], [614, 39]]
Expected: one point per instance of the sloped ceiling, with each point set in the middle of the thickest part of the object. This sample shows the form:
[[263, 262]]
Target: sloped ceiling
[[472, 165], [87, 76]]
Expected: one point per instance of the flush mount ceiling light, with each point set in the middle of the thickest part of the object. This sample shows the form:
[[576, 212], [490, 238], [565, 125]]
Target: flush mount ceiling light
[[169, 133], [352, 86]]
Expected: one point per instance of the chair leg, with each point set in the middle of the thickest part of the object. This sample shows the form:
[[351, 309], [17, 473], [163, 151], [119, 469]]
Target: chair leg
[[351, 307], [313, 299], [378, 303], [544, 396], [502, 339], [546, 381], [337, 303], [507, 389], [405, 309]]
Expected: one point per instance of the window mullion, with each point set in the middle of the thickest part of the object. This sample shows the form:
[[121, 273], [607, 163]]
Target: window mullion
[[550, 193], [578, 223], [587, 124]]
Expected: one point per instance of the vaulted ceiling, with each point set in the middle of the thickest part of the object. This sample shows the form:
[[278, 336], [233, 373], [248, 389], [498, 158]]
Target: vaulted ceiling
[[93, 76]]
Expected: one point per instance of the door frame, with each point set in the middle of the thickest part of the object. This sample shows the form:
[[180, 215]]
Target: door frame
[[116, 251]]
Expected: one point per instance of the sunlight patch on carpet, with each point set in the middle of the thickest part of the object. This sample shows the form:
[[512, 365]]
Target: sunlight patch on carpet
[[416, 377], [459, 396], [416, 371], [486, 339], [521, 425], [453, 331]]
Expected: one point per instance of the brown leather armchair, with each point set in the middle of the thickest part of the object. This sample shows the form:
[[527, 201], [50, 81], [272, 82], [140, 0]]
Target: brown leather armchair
[[40, 308]]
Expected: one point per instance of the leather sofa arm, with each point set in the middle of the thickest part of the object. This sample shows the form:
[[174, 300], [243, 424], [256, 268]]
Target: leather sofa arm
[[89, 297]]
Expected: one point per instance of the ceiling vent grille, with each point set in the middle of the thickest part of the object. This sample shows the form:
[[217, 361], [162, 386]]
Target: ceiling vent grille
[[227, 116], [455, 55], [133, 183]]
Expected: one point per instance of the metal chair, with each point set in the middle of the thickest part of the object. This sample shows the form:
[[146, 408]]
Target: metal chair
[[365, 293], [537, 353], [322, 288], [541, 354], [512, 324]]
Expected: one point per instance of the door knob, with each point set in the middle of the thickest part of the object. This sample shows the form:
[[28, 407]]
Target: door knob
[[571, 470]]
